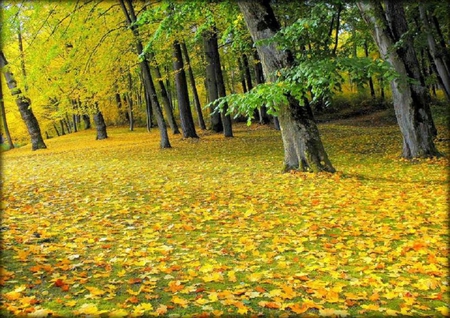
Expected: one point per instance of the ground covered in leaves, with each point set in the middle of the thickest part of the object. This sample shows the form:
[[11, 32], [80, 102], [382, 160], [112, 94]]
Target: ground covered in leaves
[[212, 227]]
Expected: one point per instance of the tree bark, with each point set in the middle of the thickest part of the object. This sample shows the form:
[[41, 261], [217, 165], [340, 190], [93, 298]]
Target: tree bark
[[87, 121], [4, 121], [411, 100], [259, 79], [187, 121], [198, 107], [100, 125], [24, 105], [226, 119], [211, 81], [149, 86], [303, 147], [167, 104], [443, 70]]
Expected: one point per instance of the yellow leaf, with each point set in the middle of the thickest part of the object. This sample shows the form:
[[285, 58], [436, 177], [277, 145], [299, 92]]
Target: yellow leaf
[[89, 309], [118, 313], [161, 310], [180, 301], [444, 310], [13, 295], [232, 276]]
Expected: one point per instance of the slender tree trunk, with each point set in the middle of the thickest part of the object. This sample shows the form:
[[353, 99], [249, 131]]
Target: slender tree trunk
[[129, 99], [187, 121], [259, 79], [372, 89], [56, 129], [242, 75], [22, 57], [411, 100], [198, 107], [211, 81], [61, 124], [226, 119], [4, 121], [443, 70], [146, 75], [303, 148], [167, 103], [23, 103]]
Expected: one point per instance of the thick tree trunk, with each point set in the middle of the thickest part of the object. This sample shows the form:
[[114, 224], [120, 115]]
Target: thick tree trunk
[[167, 104], [87, 121], [411, 100], [100, 125], [149, 86], [187, 121], [23, 103], [303, 147], [443, 70], [4, 121], [198, 107], [211, 81]]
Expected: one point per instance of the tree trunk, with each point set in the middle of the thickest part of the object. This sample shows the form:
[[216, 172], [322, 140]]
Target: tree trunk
[[63, 130], [226, 119], [100, 125], [56, 129], [4, 122], [129, 100], [167, 103], [87, 121], [303, 147], [443, 70], [23, 103], [146, 75], [411, 100], [211, 82], [259, 79], [187, 121], [198, 107]]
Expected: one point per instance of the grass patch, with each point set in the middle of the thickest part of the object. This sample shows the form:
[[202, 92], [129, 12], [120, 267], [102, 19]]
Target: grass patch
[[118, 227]]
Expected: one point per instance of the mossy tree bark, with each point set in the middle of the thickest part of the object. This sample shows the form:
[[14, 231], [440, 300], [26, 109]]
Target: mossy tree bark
[[24, 105], [303, 147]]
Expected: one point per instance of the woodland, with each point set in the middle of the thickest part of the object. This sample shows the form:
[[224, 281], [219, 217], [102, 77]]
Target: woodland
[[224, 158]]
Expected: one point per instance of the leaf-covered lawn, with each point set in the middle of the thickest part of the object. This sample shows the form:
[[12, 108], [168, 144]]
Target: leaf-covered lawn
[[212, 227]]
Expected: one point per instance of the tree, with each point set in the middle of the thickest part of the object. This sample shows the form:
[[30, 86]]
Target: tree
[[24, 105], [443, 69], [4, 122], [146, 75], [164, 95], [198, 108], [303, 148], [187, 121], [410, 95]]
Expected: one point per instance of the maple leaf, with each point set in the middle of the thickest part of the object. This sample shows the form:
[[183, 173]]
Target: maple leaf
[[180, 301], [161, 310], [174, 286], [89, 309]]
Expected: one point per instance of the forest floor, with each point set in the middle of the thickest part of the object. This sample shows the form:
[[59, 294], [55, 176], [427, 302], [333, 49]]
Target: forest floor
[[212, 227]]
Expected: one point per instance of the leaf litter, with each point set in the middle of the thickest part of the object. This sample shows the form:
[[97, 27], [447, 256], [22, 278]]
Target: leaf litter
[[119, 228]]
